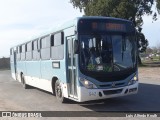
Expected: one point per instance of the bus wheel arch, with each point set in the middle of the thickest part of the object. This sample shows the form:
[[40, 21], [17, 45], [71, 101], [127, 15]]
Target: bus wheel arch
[[23, 81]]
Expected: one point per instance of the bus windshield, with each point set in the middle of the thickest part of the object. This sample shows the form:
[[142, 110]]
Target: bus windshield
[[107, 53]]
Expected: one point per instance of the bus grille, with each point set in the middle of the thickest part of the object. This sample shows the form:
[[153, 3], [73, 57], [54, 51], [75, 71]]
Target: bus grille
[[116, 85], [110, 92]]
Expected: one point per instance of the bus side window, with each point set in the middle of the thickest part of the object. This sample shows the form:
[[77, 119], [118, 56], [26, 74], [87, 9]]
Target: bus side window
[[45, 47], [36, 50], [23, 52], [59, 39], [52, 40], [18, 53], [57, 46], [29, 51]]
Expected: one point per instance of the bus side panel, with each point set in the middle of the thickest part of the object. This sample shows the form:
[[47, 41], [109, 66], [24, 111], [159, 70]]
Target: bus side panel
[[21, 69], [46, 69], [32, 72], [46, 75], [33, 69]]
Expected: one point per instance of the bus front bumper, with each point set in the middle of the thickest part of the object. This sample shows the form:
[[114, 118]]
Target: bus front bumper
[[96, 94]]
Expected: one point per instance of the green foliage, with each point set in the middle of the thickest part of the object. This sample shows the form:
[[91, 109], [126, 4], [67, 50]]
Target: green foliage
[[127, 9], [91, 67], [143, 43], [107, 68], [158, 6]]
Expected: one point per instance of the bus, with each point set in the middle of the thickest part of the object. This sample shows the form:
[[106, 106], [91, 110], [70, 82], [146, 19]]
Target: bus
[[88, 58]]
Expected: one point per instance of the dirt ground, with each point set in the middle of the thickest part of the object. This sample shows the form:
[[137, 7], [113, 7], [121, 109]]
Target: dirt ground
[[149, 74], [14, 98], [149, 71]]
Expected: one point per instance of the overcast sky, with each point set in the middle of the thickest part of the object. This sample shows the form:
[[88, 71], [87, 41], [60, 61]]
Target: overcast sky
[[21, 19]]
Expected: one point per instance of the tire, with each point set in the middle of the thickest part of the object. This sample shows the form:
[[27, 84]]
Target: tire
[[59, 93], [25, 86]]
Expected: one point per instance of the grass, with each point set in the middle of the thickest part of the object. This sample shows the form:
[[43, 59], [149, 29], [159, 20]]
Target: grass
[[142, 65]]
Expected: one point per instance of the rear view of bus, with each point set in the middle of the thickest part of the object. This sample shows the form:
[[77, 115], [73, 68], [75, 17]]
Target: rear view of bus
[[107, 58]]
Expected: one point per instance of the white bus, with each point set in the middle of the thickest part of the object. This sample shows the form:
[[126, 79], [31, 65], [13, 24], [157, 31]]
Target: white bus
[[89, 58]]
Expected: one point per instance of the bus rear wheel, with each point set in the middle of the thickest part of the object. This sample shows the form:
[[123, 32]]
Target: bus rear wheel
[[59, 93], [25, 86]]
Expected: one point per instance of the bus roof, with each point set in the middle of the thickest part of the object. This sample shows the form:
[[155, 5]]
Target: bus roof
[[68, 24], [102, 17]]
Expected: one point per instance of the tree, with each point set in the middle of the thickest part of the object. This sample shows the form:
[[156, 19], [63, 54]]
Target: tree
[[158, 45], [158, 6], [126, 9], [142, 44], [149, 50], [158, 49]]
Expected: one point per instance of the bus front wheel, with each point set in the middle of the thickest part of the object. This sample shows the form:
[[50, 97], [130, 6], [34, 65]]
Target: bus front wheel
[[59, 93]]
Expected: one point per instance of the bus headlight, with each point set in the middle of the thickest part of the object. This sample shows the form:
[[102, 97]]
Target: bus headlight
[[88, 84], [133, 80]]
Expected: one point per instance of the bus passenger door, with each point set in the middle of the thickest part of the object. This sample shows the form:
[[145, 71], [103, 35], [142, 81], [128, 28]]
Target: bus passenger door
[[71, 69]]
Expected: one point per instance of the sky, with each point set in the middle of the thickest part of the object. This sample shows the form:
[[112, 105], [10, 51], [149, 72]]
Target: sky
[[22, 19]]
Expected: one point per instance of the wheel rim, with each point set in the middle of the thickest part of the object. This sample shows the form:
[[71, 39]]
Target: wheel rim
[[58, 90]]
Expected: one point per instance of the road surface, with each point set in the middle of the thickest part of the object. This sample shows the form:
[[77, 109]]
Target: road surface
[[13, 97]]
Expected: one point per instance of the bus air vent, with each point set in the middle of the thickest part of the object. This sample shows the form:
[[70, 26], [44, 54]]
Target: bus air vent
[[110, 92]]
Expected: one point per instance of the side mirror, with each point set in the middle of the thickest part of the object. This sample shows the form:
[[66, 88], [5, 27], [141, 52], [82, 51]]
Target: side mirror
[[76, 48]]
